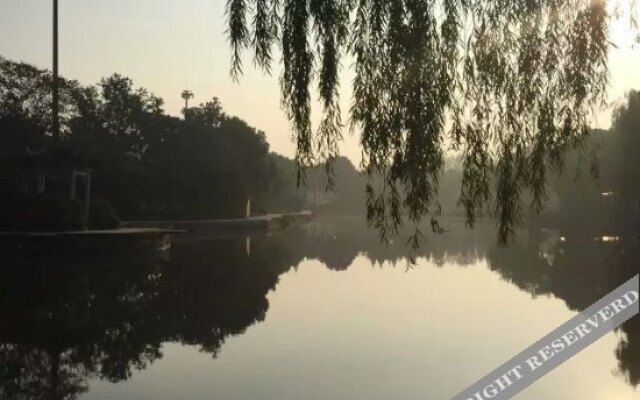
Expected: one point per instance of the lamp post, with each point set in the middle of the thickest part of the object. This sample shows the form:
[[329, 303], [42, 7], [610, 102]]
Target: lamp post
[[54, 83]]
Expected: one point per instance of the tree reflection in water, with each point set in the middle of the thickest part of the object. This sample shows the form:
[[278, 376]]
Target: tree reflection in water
[[578, 271], [66, 321]]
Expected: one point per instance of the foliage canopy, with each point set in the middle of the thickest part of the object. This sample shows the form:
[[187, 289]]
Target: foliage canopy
[[508, 84], [145, 163]]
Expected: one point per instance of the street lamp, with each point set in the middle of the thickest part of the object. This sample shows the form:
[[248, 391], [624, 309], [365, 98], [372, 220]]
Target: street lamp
[[186, 95]]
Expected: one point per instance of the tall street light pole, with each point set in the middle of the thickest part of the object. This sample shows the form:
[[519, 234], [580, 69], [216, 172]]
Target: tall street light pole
[[186, 95], [55, 106]]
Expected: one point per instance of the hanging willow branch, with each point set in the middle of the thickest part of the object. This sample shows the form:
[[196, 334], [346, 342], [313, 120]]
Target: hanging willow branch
[[509, 83]]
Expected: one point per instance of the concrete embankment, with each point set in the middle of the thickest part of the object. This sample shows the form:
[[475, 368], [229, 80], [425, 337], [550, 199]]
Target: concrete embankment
[[263, 224], [84, 242], [136, 236]]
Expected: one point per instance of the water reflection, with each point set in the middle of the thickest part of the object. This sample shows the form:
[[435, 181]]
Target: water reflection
[[68, 321], [578, 271], [63, 324]]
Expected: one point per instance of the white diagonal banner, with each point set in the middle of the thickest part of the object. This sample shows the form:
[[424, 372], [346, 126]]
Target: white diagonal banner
[[558, 346]]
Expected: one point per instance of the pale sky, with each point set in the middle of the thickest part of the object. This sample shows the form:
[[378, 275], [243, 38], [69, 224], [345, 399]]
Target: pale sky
[[167, 46]]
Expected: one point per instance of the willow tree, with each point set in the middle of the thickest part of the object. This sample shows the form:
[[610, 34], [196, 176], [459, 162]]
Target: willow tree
[[509, 84]]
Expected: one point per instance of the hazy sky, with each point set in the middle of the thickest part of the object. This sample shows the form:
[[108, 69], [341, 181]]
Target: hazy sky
[[169, 45]]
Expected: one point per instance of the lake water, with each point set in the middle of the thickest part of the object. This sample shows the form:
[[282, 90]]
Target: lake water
[[323, 311]]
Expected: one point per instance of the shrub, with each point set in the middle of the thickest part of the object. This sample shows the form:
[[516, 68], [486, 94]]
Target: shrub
[[102, 215], [44, 213]]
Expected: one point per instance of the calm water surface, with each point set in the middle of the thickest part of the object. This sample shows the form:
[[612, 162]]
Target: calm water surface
[[317, 312]]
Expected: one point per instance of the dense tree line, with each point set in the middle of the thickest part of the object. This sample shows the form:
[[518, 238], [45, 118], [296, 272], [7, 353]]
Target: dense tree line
[[610, 203], [147, 164], [207, 164], [144, 162]]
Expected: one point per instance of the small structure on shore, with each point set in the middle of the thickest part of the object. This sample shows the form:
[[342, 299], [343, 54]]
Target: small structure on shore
[[56, 174]]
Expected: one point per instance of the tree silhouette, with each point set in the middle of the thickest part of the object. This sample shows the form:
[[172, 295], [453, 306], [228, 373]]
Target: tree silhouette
[[201, 166], [626, 127], [509, 84]]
